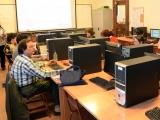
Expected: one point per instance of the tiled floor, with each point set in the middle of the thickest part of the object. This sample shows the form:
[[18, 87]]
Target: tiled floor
[[3, 116]]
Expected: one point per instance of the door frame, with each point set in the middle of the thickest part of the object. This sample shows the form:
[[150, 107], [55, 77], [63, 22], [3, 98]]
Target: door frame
[[123, 28]]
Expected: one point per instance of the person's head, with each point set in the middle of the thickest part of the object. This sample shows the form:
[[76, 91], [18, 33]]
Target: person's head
[[89, 32], [26, 47], [106, 33], [11, 38], [139, 32], [141, 39], [20, 37]]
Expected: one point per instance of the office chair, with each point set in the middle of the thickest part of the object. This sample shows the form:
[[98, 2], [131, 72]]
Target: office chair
[[75, 107], [38, 103], [34, 104]]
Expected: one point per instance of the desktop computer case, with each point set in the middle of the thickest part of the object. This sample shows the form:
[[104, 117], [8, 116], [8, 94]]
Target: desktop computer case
[[61, 47], [134, 51], [100, 41], [136, 80], [88, 57]]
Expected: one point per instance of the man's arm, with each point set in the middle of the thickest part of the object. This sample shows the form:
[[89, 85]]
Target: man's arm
[[34, 70]]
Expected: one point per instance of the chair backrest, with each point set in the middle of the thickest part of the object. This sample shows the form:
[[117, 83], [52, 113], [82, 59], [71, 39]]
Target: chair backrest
[[72, 102], [16, 107], [79, 109]]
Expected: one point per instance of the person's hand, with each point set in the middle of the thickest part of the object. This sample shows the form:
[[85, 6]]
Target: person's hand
[[51, 62]]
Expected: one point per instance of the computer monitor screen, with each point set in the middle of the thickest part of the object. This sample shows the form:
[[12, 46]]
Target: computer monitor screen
[[58, 32], [114, 47], [63, 34], [74, 36], [81, 38], [110, 59], [134, 30], [155, 33], [41, 38], [61, 47], [100, 41]]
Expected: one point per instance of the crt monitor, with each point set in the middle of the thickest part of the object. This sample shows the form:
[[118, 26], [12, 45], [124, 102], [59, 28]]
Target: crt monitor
[[61, 47], [155, 33], [100, 41], [58, 32], [134, 30], [74, 36], [110, 59], [63, 34], [82, 38], [41, 38], [114, 47]]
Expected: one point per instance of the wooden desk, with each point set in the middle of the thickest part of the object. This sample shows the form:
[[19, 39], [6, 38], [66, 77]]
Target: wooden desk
[[155, 48], [60, 63], [100, 103], [125, 41]]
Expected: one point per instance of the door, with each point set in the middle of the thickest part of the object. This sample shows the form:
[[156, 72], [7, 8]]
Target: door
[[121, 17]]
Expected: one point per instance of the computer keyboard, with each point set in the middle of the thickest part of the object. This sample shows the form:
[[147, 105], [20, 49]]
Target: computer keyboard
[[153, 114], [105, 84], [56, 67]]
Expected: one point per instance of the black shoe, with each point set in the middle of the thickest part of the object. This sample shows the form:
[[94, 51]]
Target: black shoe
[[56, 113], [3, 68]]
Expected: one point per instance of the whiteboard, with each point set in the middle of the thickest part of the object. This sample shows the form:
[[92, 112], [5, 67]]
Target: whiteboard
[[84, 15], [8, 17]]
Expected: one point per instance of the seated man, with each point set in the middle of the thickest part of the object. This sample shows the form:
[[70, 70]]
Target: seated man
[[32, 79]]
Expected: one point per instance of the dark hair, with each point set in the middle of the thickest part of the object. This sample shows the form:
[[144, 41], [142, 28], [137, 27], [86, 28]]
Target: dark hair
[[10, 36], [141, 38], [90, 30], [20, 37], [139, 32], [23, 45], [106, 33]]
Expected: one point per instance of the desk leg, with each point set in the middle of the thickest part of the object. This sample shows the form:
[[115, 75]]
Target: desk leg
[[65, 111]]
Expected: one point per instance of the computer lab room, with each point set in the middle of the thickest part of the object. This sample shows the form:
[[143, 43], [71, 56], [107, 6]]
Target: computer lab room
[[79, 60]]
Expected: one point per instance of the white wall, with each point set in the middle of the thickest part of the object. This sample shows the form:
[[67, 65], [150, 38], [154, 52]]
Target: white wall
[[93, 2], [151, 12], [151, 9], [105, 3], [7, 1]]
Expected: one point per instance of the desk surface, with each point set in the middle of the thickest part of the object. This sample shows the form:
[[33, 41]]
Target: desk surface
[[60, 63], [100, 103], [125, 39]]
